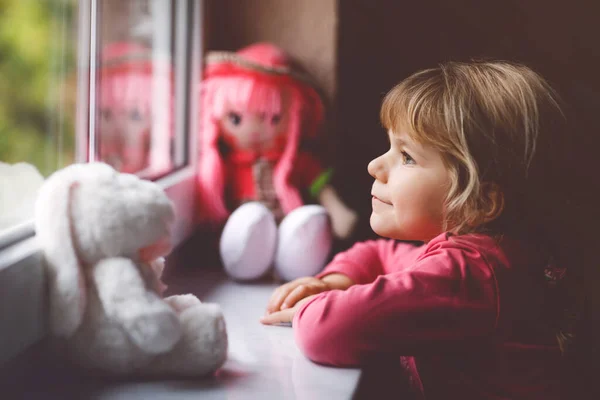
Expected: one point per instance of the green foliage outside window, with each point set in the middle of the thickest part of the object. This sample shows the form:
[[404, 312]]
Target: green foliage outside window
[[37, 82]]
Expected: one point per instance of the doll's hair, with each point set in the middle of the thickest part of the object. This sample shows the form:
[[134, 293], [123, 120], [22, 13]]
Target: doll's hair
[[128, 77], [252, 79], [124, 77], [485, 118]]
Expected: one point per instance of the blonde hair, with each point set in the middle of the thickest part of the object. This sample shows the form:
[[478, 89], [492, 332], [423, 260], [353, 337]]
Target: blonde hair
[[485, 118]]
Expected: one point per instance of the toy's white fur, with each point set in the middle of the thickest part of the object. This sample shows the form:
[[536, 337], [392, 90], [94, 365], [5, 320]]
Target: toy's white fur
[[94, 225]]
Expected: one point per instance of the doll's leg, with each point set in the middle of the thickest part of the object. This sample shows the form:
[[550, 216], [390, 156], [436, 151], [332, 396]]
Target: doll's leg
[[248, 241], [202, 348], [304, 242]]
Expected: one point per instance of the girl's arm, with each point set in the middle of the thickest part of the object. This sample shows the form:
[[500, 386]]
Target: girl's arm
[[365, 261], [449, 294], [337, 281]]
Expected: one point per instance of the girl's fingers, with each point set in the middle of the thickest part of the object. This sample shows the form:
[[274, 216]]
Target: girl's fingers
[[285, 316], [294, 296], [281, 293], [278, 317], [279, 296], [273, 299]]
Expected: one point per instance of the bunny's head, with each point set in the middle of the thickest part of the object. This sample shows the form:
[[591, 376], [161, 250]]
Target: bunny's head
[[87, 212]]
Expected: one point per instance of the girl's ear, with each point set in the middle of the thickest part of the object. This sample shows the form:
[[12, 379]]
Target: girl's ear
[[493, 201]]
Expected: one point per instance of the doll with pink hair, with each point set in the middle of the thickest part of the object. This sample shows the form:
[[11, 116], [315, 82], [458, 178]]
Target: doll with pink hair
[[256, 109], [133, 136]]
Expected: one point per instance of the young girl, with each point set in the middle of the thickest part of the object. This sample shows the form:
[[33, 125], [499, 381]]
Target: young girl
[[257, 108], [464, 309]]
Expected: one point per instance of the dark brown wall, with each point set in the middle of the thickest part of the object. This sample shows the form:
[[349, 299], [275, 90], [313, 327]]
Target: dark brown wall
[[306, 29], [382, 42]]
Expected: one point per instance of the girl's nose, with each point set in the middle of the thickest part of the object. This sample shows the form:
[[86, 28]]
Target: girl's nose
[[377, 170]]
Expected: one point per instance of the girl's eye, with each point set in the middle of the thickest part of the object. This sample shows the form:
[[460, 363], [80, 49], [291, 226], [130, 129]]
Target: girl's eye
[[234, 118], [407, 159], [275, 119]]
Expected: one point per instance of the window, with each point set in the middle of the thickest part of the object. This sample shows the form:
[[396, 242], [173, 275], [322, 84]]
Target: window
[[38, 77], [118, 90], [134, 113], [89, 80]]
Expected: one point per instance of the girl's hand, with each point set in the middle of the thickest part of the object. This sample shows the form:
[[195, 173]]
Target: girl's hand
[[286, 296], [286, 315]]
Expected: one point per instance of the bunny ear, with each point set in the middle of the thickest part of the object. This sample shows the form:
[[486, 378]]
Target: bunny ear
[[55, 234]]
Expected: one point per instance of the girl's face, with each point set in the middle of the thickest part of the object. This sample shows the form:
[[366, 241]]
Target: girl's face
[[254, 130], [411, 184]]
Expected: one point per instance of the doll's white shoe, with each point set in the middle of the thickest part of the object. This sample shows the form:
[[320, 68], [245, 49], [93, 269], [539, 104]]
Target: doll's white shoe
[[304, 242], [248, 241]]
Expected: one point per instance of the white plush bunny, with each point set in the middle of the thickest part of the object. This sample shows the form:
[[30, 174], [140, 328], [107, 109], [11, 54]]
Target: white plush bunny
[[103, 234]]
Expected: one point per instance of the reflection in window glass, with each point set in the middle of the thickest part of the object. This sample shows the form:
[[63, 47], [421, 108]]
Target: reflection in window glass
[[134, 116], [38, 79]]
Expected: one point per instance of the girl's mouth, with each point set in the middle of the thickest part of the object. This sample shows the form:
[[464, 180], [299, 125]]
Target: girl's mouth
[[377, 199]]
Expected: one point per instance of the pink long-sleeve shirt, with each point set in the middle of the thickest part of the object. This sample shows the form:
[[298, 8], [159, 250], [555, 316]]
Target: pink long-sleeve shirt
[[463, 313]]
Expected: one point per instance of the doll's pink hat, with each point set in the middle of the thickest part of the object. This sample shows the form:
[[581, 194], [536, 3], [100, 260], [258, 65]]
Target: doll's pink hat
[[121, 57], [260, 60], [119, 52]]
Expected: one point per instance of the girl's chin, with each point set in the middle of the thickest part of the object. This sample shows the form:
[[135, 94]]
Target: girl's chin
[[378, 224], [383, 226]]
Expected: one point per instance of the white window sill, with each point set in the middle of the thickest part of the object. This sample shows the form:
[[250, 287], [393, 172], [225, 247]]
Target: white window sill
[[263, 361], [22, 298], [16, 233]]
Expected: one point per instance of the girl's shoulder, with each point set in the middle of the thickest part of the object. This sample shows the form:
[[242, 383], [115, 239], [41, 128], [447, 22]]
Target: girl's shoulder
[[467, 241], [496, 250]]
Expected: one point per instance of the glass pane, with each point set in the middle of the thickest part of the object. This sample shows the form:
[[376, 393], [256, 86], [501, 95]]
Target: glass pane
[[38, 82], [134, 115]]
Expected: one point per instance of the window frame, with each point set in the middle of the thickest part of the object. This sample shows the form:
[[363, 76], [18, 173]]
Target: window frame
[[23, 311]]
